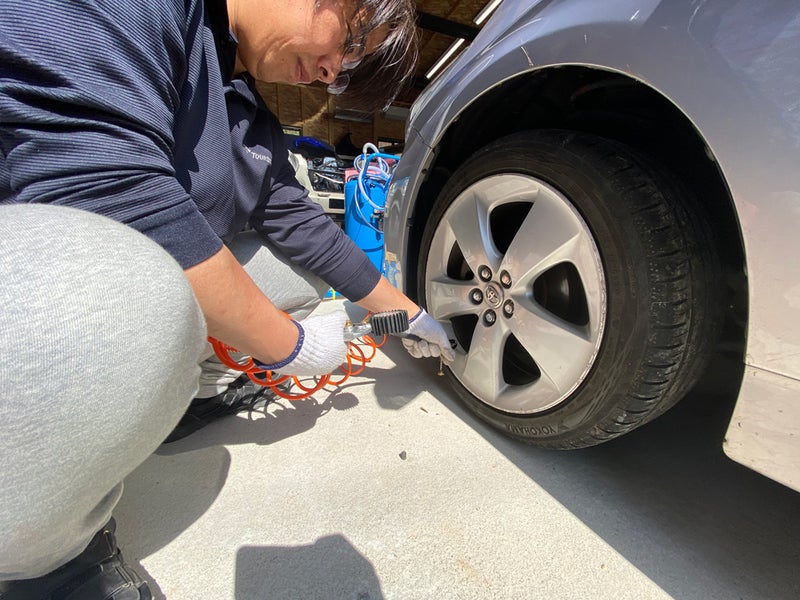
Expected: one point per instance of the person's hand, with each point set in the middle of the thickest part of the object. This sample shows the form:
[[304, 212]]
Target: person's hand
[[320, 349], [429, 338]]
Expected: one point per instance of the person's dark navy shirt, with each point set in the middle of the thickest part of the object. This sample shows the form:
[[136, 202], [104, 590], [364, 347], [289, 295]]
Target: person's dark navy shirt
[[120, 107]]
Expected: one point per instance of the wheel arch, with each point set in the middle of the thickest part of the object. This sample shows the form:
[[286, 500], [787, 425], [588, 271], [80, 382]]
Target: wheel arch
[[606, 103]]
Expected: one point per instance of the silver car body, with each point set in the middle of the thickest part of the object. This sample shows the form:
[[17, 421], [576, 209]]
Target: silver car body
[[732, 67]]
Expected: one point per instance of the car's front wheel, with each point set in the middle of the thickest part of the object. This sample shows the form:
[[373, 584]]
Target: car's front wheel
[[579, 281]]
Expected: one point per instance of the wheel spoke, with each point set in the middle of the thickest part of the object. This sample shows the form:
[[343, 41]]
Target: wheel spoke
[[537, 396], [562, 351], [481, 370], [448, 298], [550, 235], [467, 225]]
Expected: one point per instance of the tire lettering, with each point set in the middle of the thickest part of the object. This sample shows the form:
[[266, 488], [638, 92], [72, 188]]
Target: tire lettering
[[530, 431]]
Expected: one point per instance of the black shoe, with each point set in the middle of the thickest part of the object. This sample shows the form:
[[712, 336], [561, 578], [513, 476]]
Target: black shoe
[[98, 573], [241, 395]]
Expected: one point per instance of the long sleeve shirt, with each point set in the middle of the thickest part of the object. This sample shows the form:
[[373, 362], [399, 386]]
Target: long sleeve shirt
[[127, 108]]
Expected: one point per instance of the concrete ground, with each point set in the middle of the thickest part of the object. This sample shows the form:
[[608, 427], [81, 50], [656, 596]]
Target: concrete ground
[[388, 488]]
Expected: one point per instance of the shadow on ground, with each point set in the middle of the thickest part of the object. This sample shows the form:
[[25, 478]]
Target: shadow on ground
[[330, 568], [183, 486]]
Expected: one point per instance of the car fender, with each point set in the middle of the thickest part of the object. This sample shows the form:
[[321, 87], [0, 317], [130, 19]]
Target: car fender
[[723, 83]]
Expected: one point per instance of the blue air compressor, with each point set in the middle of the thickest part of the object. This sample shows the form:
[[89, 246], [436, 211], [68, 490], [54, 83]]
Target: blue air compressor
[[365, 201]]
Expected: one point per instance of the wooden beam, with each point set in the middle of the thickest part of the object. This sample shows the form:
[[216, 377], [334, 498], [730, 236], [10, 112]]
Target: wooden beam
[[446, 26]]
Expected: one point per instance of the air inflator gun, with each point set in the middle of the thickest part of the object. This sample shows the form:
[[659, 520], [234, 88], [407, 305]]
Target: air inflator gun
[[384, 323]]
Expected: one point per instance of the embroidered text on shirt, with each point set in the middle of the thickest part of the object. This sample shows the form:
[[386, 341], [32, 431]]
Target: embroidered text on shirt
[[258, 156]]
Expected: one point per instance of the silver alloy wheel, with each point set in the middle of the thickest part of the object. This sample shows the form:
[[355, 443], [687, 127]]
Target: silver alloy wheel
[[552, 255]]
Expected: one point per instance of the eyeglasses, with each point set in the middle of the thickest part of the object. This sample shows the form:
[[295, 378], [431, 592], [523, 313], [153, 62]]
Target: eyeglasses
[[352, 56]]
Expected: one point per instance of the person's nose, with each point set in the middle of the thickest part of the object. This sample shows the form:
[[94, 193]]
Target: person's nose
[[328, 68]]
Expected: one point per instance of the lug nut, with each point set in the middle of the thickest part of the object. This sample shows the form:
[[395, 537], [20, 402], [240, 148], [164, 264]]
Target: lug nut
[[489, 317], [505, 279], [476, 296], [485, 273], [508, 308]]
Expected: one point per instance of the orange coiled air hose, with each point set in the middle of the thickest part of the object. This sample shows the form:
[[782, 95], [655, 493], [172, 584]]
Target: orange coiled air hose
[[395, 321]]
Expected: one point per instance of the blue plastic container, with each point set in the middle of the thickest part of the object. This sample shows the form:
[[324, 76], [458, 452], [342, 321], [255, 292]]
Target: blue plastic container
[[362, 222]]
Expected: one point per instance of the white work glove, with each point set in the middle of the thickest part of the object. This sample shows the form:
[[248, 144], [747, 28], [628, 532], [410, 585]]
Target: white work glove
[[320, 349], [429, 338]]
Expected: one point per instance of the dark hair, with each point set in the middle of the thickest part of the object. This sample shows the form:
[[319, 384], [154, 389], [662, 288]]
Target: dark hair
[[385, 72]]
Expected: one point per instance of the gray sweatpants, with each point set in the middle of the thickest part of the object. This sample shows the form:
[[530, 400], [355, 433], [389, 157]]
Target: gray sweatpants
[[101, 347]]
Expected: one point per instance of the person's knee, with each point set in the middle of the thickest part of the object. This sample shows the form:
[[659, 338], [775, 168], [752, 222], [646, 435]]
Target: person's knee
[[106, 336], [290, 287], [93, 292]]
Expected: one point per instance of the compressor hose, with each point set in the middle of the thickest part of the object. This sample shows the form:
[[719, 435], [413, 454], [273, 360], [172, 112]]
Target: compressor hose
[[360, 350], [379, 173], [359, 353]]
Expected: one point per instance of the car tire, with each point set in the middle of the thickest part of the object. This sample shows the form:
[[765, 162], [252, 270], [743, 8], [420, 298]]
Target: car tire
[[580, 282]]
